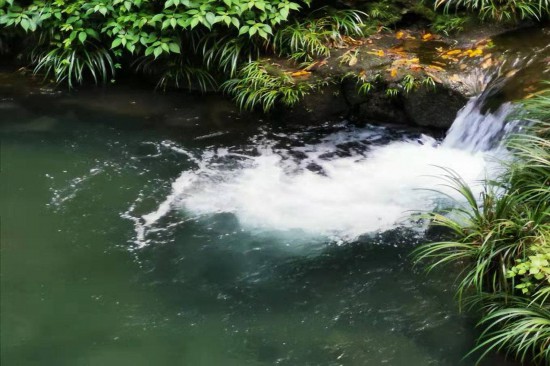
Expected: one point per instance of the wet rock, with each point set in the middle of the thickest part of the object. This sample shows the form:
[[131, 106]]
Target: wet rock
[[445, 73], [432, 108], [327, 104]]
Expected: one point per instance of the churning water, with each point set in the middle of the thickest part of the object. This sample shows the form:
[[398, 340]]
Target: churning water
[[126, 242], [344, 184]]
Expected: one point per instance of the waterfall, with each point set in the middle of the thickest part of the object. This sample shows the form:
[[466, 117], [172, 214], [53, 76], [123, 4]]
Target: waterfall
[[341, 185], [474, 131]]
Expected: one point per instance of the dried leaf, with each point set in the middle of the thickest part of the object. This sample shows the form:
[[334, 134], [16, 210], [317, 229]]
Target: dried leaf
[[353, 60], [399, 35], [427, 37], [379, 53], [301, 73], [435, 68], [474, 53], [453, 52]]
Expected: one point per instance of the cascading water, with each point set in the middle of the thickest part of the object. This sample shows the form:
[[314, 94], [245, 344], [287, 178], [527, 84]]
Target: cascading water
[[342, 185]]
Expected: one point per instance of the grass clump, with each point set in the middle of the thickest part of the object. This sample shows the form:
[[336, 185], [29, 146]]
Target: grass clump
[[260, 84], [501, 10], [501, 241]]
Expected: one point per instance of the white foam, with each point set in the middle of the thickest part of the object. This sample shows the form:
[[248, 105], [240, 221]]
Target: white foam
[[345, 196], [354, 196]]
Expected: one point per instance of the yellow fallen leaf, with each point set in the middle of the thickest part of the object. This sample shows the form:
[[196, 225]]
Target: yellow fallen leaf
[[379, 53], [474, 53], [406, 61], [399, 35], [393, 72], [453, 52], [435, 68], [300, 73], [353, 60], [427, 37]]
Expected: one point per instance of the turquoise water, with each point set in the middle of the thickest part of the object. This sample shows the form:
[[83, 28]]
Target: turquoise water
[[78, 288]]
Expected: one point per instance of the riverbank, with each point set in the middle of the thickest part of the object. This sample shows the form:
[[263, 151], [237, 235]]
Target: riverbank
[[407, 77]]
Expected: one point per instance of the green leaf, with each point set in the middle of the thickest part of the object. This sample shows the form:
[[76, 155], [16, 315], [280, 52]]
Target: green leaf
[[92, 33], [82, 37], [157, 52], [157, 17], [262, 33], [174, 47], [244, 30], [194, 22], [211, 18], [25, 24], [116, 42]]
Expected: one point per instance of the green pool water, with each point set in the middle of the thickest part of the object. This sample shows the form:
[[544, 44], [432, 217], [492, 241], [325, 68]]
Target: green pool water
[[77, 290]]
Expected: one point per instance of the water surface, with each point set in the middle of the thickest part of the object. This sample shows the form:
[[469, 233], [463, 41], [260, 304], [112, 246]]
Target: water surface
[[96, 271]]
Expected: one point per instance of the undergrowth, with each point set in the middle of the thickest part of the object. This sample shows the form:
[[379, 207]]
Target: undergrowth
[[260, 84], [501, 240]]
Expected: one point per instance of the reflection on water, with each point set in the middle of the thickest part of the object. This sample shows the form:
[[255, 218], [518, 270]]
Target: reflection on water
[[208, 290]]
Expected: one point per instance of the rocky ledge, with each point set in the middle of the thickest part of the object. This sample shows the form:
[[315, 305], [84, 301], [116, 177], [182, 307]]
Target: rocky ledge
[[418, 78]]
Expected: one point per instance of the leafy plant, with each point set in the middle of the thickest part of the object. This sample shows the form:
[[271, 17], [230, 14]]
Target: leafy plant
[[409, 83], [314, 36], [429, 82], [257, 86], [392, 92], [502, 242], [517, 326], [534, 270], [76, 37], [501, 10], [74, 64], [449, 23]]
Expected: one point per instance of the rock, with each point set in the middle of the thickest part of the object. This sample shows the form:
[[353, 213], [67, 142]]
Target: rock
[[433, 108], [326, 104]]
